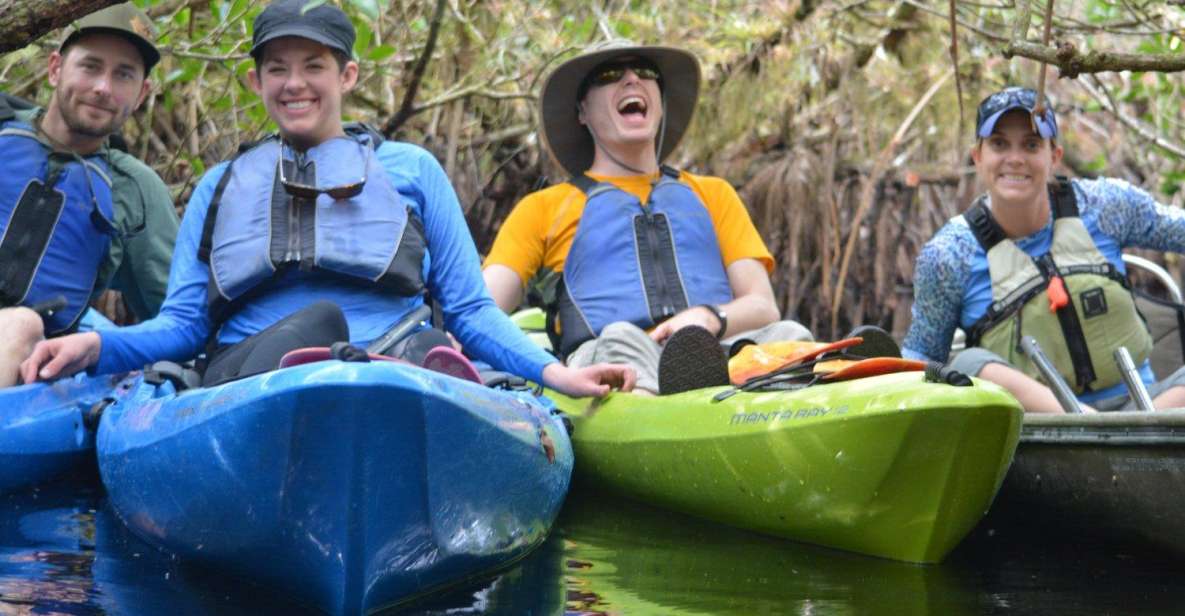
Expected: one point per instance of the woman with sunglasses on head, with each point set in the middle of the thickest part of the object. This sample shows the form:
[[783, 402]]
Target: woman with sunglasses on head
[[319, 234], [641, 246], [1041, 256]]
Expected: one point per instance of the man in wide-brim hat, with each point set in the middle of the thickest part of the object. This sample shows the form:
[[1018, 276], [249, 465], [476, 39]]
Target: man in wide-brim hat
[[659, 266]]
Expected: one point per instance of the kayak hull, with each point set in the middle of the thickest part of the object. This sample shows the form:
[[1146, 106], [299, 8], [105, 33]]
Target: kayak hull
[[43, 432], [889, 466], [1117, 476], [348, 486]]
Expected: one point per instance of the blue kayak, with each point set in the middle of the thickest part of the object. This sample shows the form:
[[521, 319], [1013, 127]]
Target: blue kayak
[[44, 431], [349, 487]]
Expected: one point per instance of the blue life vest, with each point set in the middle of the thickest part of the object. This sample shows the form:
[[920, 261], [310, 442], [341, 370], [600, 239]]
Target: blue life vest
[[255, 230], [641, 263], [56, 224]]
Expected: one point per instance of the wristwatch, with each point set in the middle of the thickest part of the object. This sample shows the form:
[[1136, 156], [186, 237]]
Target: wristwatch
[[720, 316]]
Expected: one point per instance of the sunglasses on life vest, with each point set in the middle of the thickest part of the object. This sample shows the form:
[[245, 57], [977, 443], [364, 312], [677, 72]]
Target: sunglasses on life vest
[[614, 71], [338, 193]]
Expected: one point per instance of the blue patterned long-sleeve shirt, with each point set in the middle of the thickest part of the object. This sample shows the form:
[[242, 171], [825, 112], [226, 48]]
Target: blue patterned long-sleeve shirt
[[952, 287]]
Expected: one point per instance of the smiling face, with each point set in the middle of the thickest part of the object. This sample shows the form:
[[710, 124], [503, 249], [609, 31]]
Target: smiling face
[[1015, 163], [98, 82], [302, 85], [624, 115]]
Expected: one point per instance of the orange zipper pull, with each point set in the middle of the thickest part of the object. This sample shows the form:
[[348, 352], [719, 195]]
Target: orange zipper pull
[[1058, 298]]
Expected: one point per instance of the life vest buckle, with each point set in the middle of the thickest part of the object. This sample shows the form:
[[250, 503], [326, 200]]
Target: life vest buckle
[[1058, 297]]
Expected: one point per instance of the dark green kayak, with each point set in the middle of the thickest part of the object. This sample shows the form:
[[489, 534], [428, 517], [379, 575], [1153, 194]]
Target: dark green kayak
[[1116, 475]]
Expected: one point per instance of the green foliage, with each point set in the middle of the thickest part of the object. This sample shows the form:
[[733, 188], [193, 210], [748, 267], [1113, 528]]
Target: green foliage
[[775, 75]]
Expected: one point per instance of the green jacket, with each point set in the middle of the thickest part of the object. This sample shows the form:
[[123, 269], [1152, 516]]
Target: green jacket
[[137, 266]]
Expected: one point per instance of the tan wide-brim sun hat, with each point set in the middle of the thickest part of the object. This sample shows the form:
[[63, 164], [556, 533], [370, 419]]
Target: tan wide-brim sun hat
[[570, 142]]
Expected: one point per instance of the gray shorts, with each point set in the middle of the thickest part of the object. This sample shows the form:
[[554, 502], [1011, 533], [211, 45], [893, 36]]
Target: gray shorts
[[626, 343], [971, 361]]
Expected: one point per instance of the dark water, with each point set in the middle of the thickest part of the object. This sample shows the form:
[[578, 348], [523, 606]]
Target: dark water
[[62, 551]]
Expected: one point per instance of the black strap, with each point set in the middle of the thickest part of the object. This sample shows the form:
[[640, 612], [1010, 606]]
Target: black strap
[[583, 182], [207, 242], [987, 231], [1067, 317], [1065, 202], [669, 171]]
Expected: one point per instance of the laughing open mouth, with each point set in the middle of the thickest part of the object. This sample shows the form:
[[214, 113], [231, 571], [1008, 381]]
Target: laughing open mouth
[[632, 106]]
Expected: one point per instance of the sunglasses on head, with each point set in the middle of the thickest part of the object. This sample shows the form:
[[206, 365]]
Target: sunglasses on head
[[1013, 98], [614, 71], [338, 193]]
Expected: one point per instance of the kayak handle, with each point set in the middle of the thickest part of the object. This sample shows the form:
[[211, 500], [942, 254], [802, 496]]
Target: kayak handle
[[942, 373], [1052, 377], [1131, 378]]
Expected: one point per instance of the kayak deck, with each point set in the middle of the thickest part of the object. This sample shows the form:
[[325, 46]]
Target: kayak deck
[[889, 466], [349, 486]]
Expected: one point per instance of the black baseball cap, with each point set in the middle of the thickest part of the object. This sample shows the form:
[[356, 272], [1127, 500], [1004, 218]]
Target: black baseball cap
[[325, 24], [123, 20]]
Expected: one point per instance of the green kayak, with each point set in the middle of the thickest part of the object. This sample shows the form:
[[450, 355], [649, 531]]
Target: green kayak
[[890, 466]]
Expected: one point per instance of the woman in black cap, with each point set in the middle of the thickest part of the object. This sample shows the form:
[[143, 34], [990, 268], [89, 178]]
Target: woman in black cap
[[318, 234]]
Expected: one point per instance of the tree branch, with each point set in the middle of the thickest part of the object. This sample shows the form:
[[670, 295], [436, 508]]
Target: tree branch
[[24, 21], [407, 108], [1071, 63]]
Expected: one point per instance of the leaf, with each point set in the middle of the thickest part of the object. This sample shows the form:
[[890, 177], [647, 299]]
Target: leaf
[[382, 52], [363, 41], [370, 8], [311, 4]]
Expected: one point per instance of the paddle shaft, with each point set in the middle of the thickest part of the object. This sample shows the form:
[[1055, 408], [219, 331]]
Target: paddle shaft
[[1056, 383], [383, 344]]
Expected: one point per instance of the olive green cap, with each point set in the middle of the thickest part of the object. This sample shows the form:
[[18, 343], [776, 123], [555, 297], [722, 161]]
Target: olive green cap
[[125, 20]]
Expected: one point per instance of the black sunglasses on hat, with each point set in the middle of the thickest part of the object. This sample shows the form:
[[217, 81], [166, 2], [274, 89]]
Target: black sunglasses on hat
[[992, 108]]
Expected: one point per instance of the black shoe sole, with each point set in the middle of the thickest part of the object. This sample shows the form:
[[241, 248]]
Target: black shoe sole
[[691, 359], [877, 343]]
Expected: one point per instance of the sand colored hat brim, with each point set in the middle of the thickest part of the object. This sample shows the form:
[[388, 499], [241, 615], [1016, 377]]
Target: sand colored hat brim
[[570, 142]]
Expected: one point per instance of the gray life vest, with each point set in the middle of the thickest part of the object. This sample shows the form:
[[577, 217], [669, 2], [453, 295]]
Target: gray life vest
[[255, 231]]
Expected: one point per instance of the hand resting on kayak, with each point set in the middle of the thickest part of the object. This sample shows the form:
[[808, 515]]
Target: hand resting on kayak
[[595, 380], [67, 355], [58, 357]]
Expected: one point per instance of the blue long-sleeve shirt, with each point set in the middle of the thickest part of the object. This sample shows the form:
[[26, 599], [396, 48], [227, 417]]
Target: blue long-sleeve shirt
[[953, 288], [454, 279]]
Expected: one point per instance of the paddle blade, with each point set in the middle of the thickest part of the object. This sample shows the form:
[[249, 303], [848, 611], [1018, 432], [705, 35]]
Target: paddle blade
[[873, 367], [758, 359]]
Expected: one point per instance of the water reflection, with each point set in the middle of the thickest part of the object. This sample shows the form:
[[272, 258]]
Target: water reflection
[[62, 551]]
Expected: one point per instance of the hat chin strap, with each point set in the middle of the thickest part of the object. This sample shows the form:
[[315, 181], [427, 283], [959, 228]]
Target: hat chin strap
[[662, 130]]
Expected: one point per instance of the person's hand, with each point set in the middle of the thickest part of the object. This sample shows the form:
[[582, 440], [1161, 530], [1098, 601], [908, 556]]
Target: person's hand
[[595, 380], [61, 357], [696, 315]]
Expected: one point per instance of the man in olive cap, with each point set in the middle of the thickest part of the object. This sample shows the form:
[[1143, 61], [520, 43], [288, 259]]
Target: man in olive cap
[[659, 266], [76, 215], [324, 232]]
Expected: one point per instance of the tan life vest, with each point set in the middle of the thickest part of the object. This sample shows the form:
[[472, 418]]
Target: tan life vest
[[1072, 300]]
